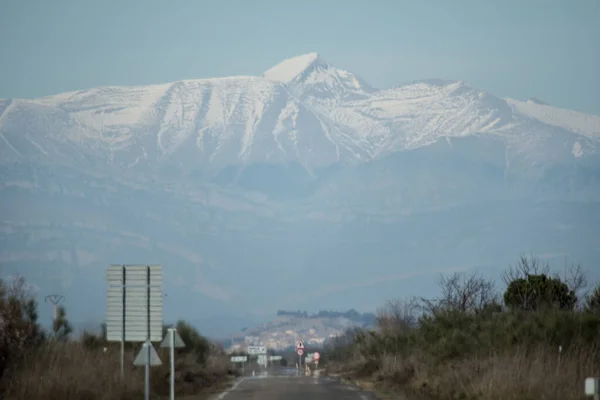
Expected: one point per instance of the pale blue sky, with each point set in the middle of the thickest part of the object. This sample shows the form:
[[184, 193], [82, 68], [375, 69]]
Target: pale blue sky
[[542, 48]]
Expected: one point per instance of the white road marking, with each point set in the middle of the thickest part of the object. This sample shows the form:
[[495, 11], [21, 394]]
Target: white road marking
[[231, 389]]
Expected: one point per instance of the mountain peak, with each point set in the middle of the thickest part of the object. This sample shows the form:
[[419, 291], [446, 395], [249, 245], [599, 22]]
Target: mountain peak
[[290, 68], [310, 75]]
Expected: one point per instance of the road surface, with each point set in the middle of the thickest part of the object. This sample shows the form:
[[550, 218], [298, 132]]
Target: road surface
[[286, 384]]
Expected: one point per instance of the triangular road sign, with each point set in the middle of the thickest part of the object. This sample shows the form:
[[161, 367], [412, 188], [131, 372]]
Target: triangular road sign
[[177, 340], [142, 356]]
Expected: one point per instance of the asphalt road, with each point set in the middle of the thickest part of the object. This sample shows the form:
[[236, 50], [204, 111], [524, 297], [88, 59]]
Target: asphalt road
[[287, 385]]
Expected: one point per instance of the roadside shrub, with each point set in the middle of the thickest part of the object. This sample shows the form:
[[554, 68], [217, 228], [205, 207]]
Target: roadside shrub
[[39, 366], [466, 344]]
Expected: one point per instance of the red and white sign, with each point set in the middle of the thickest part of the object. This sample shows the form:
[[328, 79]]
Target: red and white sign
[[316, 356], [300, 345], [299, 352]]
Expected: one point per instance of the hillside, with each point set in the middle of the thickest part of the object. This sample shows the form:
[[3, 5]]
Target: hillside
[[288, 327]]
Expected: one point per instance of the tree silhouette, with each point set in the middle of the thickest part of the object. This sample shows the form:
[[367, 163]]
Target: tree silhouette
[[537, 292], [194, 342], [19, 326], [593, 301], [61, 327]]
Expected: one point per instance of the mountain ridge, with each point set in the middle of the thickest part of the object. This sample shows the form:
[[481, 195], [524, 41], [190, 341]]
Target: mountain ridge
[[322, 192], [318, 115]]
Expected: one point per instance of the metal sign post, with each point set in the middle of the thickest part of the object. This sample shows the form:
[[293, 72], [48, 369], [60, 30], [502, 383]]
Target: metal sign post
[[172, 357], [300, 351], [316, 357], [172, 340], [147, 368], [240, 359], [147, 375], [147, 357], [260, 352]]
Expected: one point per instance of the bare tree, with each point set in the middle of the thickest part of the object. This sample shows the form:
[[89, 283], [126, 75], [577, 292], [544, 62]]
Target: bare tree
[[397, 316], [463, 292], [592, 300], [576, 280], [525, 267]]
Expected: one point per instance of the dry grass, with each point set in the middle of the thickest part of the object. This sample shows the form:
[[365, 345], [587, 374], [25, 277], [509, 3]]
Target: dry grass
[[520, 376], [72, 371], [514, 375], [34, 367]]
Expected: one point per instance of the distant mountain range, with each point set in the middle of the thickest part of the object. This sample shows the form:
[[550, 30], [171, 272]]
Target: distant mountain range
[[302, 188]]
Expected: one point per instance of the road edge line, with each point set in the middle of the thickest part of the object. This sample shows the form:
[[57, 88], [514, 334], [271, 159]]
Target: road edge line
[[222, 395]]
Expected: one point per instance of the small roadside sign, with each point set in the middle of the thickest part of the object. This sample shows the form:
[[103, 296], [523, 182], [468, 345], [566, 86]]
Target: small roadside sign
[[177, 341], [299, 352], [316, 356], [237, 359], [262, 360], [255, 350], [300, 345], [142, 356]]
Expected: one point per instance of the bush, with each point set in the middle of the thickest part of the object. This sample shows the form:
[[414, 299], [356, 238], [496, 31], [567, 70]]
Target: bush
[[592, 305], [467, 345], [19, 329], [36, 366]]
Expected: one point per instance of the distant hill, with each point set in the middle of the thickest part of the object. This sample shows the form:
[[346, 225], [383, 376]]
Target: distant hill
[[290, 326], [353, 315]]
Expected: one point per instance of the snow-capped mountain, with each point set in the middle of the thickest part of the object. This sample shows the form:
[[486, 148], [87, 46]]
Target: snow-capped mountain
[[311, 78], [302, 110], [304, 182]]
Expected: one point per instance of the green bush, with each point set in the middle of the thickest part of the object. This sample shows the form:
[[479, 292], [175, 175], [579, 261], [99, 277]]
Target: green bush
[[536, 292], [19, 328]]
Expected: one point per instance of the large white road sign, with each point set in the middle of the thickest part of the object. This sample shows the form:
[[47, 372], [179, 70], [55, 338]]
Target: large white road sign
[[134, 303]]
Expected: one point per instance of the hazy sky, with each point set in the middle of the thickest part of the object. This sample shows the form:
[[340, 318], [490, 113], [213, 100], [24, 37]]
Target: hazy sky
[[527, 48]]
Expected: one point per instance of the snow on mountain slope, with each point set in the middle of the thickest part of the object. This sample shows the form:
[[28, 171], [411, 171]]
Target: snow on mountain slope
[[302, 110], [291, 68], [584, 124], [311, 78], [225, 120], [418, 114]]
